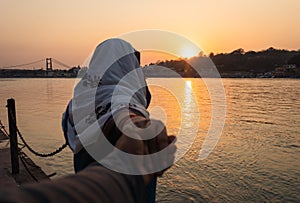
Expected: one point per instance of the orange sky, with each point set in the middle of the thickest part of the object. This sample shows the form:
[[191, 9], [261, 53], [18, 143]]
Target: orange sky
[[69, 30]]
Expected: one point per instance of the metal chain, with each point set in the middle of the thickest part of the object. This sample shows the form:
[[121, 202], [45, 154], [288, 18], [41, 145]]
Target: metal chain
[[32, 150], [41, 154], [23, 160], [2, 128]]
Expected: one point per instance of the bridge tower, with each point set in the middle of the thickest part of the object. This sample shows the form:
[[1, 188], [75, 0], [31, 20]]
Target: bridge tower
[[48, 64], [49, 67]]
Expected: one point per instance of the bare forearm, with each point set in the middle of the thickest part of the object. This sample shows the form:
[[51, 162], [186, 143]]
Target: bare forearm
[[94, 184]]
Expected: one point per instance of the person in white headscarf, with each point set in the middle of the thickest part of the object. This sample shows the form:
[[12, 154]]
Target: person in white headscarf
[[113, 82]]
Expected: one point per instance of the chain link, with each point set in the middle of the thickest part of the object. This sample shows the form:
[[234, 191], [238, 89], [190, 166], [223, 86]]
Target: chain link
[[32, 150], [2, 129], [41, 154]]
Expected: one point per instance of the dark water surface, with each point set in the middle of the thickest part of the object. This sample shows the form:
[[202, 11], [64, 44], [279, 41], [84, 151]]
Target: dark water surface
[[255, 160]]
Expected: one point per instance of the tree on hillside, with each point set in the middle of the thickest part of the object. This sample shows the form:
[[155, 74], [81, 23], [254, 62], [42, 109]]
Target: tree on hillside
[[295, 60]]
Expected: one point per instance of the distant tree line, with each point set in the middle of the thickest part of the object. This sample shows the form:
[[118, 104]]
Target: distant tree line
[[262, 61], [240, 61]]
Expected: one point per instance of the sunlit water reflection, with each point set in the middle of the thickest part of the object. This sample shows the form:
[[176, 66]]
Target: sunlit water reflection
[[256, 159]]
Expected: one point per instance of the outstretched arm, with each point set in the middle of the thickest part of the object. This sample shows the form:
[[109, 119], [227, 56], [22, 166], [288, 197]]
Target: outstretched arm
[[94, 184]]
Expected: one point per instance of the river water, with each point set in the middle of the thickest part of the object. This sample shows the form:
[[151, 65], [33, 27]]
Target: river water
[[256, 158]]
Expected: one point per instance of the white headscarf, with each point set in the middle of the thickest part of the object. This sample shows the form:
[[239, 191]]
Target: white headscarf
[[114, 80]]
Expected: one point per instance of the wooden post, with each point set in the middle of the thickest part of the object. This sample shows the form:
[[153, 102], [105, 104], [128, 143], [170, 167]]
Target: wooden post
[[12, 120]]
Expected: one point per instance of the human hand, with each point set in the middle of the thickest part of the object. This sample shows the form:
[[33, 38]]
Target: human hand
[[159, 142]]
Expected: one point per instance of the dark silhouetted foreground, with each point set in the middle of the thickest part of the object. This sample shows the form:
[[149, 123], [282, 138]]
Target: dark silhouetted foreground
[[95, 184]]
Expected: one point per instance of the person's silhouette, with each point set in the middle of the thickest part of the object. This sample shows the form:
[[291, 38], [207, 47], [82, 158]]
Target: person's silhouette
[[115, 64]]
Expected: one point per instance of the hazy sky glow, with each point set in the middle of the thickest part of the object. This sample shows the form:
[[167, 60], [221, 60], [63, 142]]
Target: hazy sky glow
[[69, 30]]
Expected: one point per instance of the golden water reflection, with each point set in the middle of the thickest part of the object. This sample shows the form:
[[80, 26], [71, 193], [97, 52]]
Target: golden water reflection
[[193, 101]]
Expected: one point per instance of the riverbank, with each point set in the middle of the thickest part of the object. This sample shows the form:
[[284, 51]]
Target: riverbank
[[28, 170], [156, 71]]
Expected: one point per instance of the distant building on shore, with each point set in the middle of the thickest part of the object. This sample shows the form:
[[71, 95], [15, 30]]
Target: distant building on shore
[[287, 71]]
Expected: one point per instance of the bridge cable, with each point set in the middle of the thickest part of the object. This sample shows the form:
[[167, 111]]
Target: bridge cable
[[25, 64]]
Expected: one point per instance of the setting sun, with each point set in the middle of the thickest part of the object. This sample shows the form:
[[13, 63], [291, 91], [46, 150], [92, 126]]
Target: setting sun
[[188, 52]]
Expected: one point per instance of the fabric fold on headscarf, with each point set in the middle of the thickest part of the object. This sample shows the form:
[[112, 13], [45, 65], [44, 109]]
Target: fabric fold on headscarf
[[113, 80]]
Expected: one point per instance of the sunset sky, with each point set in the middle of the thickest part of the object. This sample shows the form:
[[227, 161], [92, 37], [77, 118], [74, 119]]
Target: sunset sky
[[68, 30]]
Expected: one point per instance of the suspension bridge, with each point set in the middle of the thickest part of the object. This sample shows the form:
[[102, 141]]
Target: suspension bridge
[[46, 67], [45, 62]]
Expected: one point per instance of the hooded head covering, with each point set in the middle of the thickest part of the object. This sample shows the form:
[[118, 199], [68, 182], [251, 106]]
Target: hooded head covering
[[113, 80]]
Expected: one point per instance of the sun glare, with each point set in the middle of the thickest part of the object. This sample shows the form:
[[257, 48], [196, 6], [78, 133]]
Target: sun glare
[[188, 83], [188, 52]]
